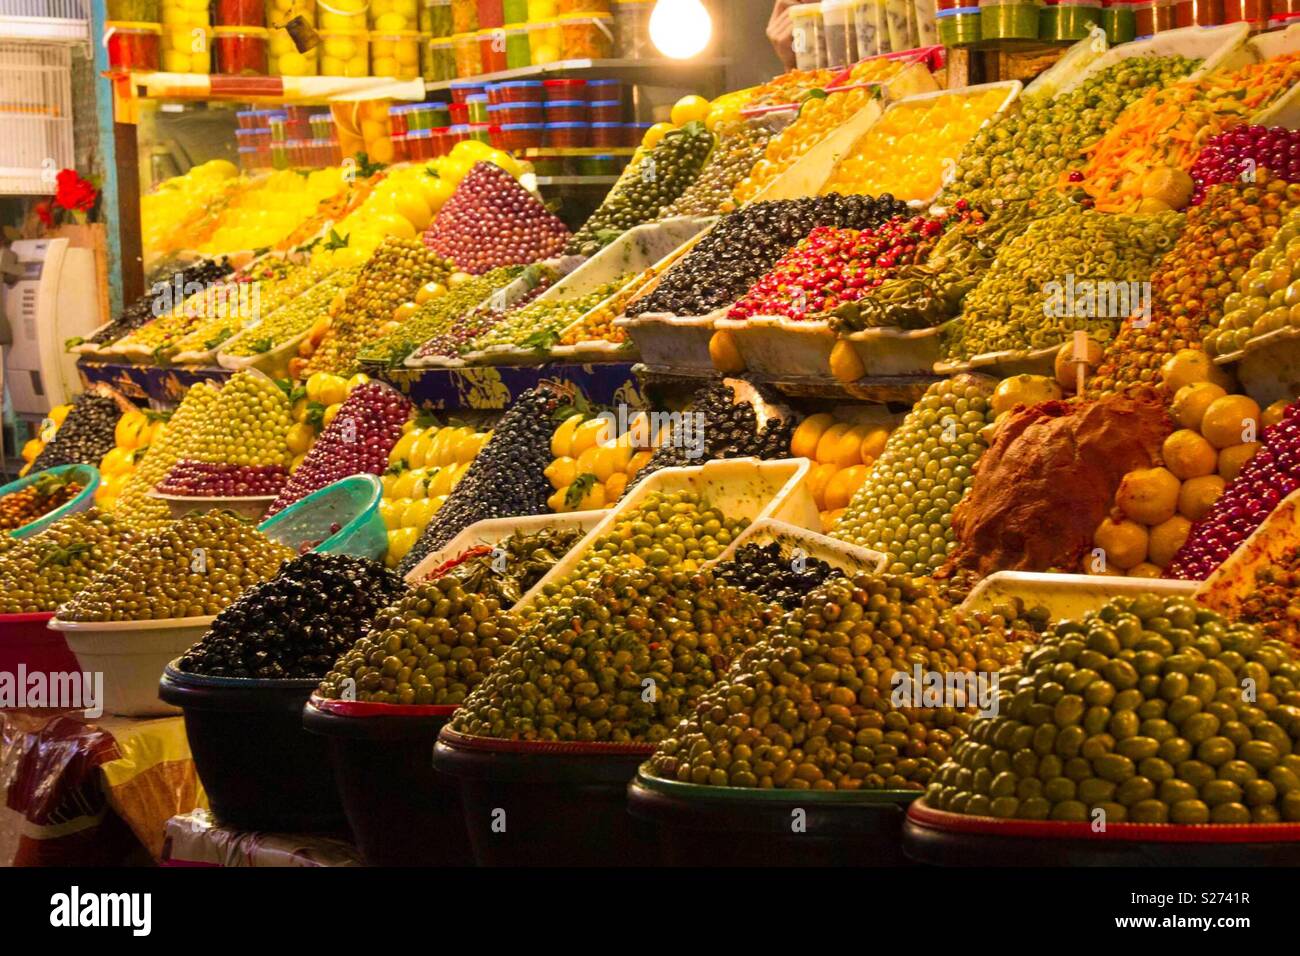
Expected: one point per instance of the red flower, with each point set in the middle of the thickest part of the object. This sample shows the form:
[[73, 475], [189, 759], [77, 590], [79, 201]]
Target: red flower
[[73, 192], [45, 213]]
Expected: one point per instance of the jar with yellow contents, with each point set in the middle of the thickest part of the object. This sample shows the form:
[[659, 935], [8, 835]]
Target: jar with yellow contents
[[284, 58], [344, 53], [186, 36], [395, 54]]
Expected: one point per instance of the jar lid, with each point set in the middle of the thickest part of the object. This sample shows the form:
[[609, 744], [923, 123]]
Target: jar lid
[[259, 32], [131, 26], [806, 10], [956, 11], [518, 84], [441, 130], [556, 84], [476, 98], [246, 149], [459, 127], [467, 84], [553, 104], [515, 126], [610, 125], [526, 105], [419, 134], [596, 103], [603, 82], [568, 125]]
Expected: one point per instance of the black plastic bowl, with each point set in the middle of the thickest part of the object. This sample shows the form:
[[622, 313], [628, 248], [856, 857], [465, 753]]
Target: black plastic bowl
[[400, 810], [733, 826], [538, 803], [953, 839], [260, 769]]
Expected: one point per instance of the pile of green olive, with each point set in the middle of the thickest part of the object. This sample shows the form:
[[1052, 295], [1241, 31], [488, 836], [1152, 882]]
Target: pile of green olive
[[1023, 154], [816, 704], [675, 530], [904, 508], [619, 659], [433, 646], [190, 568], [1267, 296], [1149, 710], [41, 572], [1075, 271]]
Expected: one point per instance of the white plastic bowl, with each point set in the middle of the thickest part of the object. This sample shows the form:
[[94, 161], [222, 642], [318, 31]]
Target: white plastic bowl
[[132, 655]]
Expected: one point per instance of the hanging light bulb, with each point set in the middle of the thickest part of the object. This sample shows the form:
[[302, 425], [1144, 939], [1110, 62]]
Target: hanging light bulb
[[680, 28]]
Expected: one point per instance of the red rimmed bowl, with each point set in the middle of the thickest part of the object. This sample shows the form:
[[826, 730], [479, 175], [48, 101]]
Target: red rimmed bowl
[[400, 810], [954, 839], [547, 803], [27, 641]]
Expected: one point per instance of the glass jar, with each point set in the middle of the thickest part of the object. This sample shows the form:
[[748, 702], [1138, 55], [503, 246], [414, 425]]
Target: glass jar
[[435, 18], [240, 13], [808, 38], [516, 91], [469, 61], [134, 11], [513, 114], [439, 59], [606, 111], [514, 11], [542, 10], [1068, 19], [632, 28], [344, 54], [322, 125], [462, 90], [481, 132], [1009, 19], [545, 41], [900, 24], [395, 55], [341, 16], [518, 48], [959, 26], [567, 111], [607, 135], [247, 158], [492, 49], [476, 108], [866, 26], [464, 16], [1118, 22], [634, 133], [240, 51], [491, 14], [133, 47], [441, 139], [841, 39], [1198, 13], [419, 145], [522, 136], [586, 36], [566, 136], [1254, 12], [601, 90], [285, 60], [395, 16]]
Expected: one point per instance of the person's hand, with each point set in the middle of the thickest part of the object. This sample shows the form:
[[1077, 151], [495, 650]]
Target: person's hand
[[780, 31]]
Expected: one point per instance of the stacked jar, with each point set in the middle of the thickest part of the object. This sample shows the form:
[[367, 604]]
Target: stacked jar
[[1198, 13], [1117, 21], [344, 49], [134, 46], [586, 36], [808, 36], [240, 38], [1009, 19], [959, 26], [866, 16], [632, 28], [1151, 17], [1068, 19], [841, 37], [435, 18], [186, 36], [900, 24], [395, 38], [1252, 12], [284, 18]]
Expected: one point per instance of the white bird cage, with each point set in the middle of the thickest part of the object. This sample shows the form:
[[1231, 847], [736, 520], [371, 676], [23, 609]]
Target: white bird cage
[[36, 91]]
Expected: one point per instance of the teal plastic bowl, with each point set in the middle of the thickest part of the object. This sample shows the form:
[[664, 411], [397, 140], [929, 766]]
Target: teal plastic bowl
[[351, 504], [86, 475]]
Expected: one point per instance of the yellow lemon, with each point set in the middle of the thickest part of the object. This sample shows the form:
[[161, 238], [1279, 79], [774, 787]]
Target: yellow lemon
[[586, 462], [873, 443], [614, 486], [561, 472], [1198, 495], [843, 485], [557, 501], [403, 484], [391, 511], [330, 413], [803, 443], [604, 462], [1146, 570], [1148, 495], [402, 450], [299, 437], [637, 462], [1188, 455], [1191, 401], [588, 434], [562, 438], [418, 453], [469, 446], [818, 478], [594, 499], [1231, 420], [1233, 458], [829, 441], [1166, 538], [1124, 543], [689, 109]]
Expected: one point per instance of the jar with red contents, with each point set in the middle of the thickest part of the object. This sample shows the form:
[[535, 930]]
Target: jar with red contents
[[564, 90], [419, 145], [567, 111], [566, 136], [607, 111], [607, 135], [440, 138], [1254, 12], [634, 133], [491, 14], [606, 90], [1202, 13], [239, 13], [504, 113], [133, 47], [522, 136], [457, 133], [516, 91], [462, 90], [492, 49], [240, 51]]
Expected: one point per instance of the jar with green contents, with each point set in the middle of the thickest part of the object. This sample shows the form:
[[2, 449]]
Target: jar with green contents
[[1068, 19], [959, 26], [1118, 21], [435, 18], [1009, 20], [135, 11], [515, 11], [518, 48], [439, 59]]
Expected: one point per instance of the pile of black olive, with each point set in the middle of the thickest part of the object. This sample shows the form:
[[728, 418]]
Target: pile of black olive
[[154, 301], [775, 573], [506, 479], [728, 429], [746, 244], [85, 436], [299, 622]]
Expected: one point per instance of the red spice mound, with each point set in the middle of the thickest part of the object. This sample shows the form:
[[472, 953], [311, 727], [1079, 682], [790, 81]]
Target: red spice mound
[[1050, 478]]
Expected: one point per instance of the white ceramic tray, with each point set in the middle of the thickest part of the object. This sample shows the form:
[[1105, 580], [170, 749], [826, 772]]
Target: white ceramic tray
[[1067, 595]]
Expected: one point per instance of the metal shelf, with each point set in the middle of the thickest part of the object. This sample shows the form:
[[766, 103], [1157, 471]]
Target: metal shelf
[[651, 72]]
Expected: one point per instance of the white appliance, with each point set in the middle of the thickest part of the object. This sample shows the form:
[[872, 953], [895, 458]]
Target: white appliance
[[53, 299]]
